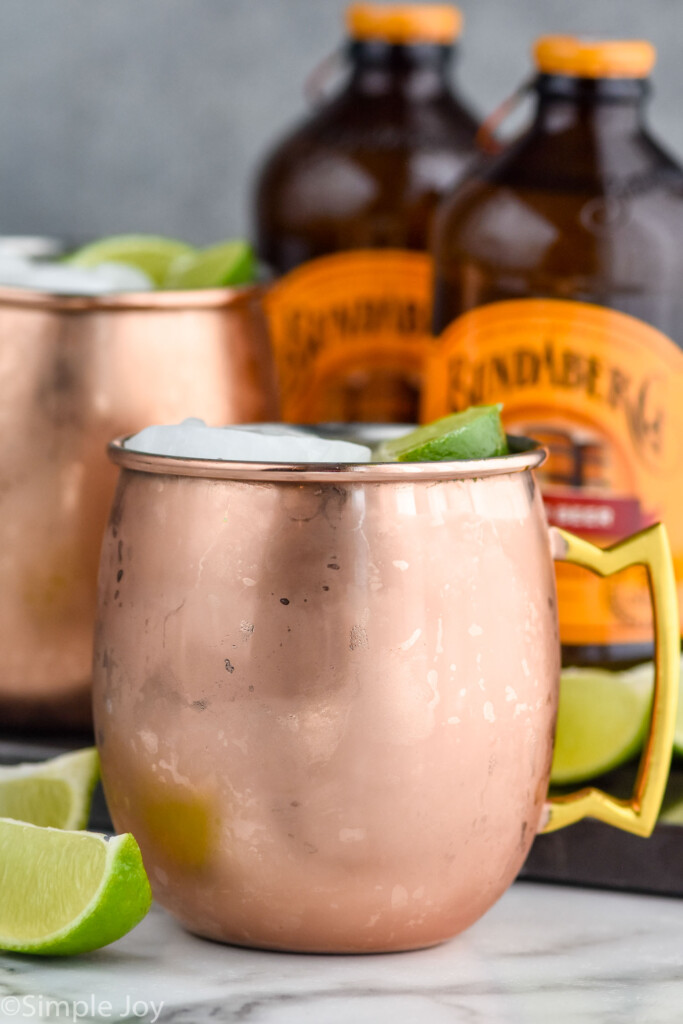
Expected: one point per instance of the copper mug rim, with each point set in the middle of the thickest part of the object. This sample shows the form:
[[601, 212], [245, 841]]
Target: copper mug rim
[[525, 454], [200, 298]]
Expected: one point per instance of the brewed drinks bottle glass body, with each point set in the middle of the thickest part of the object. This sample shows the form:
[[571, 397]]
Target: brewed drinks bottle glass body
[[580, 218], [343, 210]]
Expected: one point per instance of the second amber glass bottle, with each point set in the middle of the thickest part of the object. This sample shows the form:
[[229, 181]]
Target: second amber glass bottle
[[565, 256]]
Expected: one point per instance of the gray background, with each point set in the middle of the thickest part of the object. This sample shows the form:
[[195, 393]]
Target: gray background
[[151, 115]]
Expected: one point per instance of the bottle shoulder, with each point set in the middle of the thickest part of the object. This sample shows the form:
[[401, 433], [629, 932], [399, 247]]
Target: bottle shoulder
[[578, 161], [372, 133], [520, 200]]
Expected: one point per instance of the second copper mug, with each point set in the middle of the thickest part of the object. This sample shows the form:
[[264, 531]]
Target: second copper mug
[[325, 697], [74, 372]]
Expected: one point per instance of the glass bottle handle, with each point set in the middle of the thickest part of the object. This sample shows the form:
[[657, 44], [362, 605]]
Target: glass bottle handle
[[317, 81], [649, 548], [485, 138]]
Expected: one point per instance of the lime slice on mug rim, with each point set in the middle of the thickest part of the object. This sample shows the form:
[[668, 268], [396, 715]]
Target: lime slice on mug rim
[[152, 254], [228, 264], [475, 433]]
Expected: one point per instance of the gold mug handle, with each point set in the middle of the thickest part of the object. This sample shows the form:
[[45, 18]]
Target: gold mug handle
[[649, 548]]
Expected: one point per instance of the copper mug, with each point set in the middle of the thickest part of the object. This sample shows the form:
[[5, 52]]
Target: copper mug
[[74, 372], [325, 697]]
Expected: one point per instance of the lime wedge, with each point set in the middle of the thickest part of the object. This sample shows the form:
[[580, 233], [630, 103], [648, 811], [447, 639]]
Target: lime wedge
[[153, 254], [224, 265], [602, 721], [54, 793], [678, 731], [67, 892], [672, 805], [476, 433]]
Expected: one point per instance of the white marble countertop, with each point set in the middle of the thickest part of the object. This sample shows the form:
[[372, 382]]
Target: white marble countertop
[[543, 954]]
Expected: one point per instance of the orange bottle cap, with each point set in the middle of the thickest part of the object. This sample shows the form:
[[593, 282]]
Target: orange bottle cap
[[594, 58], [404, 23]]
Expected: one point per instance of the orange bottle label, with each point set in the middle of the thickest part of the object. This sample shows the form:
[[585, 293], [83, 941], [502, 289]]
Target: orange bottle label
[[604, 392], [350, 333]]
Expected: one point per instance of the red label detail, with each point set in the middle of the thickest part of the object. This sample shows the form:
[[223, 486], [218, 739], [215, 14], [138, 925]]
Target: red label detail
[[598, 515]]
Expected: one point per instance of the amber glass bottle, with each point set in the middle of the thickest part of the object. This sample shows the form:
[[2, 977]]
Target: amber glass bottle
[[343, 210], [567, 251]]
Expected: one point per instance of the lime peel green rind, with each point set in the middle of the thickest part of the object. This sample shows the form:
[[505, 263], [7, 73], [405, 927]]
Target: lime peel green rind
[[602, 721], [475, 433], [30, 864], [228, 264], [55, 793]]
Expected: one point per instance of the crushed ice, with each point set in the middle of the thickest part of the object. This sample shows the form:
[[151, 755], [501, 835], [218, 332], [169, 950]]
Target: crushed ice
[[262, 442], [17, 271]]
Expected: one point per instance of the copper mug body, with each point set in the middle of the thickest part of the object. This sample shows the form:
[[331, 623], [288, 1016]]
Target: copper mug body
[[325, 699], [325, 702], [74, 372]]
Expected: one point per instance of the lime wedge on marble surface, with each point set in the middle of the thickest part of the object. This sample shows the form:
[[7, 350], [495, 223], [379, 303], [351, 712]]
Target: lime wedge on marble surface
[[225, 265], [152, 254], [67, 892], [54, 793], [475, 433], [602, 721]]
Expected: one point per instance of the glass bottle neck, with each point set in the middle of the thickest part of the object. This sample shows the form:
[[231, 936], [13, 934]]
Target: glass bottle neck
[[418, 71], [602, 104]]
